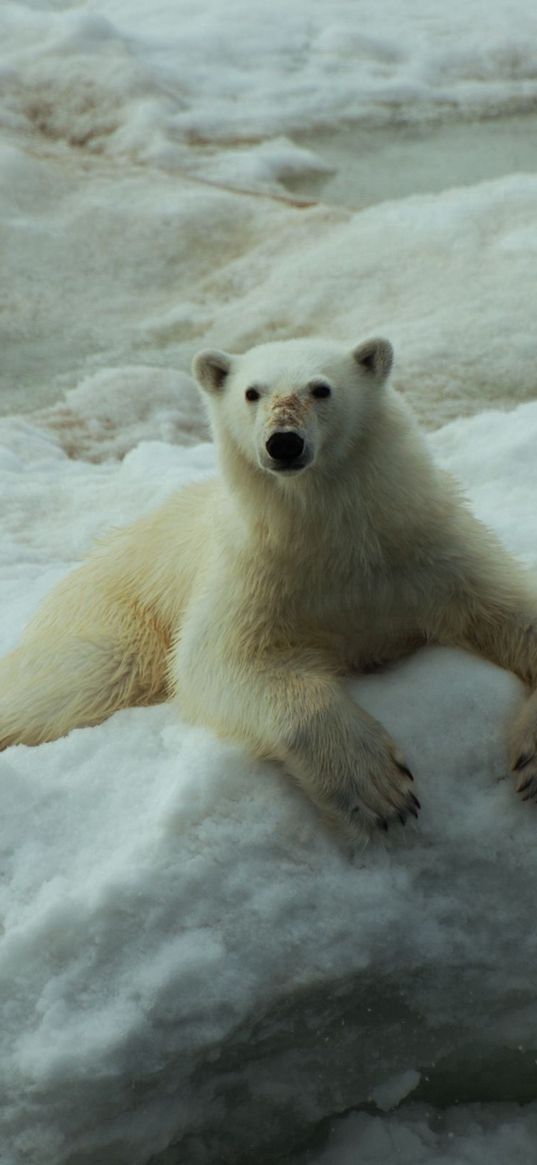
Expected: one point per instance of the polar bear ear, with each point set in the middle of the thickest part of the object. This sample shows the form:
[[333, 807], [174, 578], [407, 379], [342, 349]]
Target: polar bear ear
[[375, 357], [211, 369]]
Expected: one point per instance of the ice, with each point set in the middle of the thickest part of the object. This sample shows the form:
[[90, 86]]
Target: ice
[[262, 167]]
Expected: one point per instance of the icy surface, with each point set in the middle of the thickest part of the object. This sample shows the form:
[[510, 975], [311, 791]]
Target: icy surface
[[182, 940]]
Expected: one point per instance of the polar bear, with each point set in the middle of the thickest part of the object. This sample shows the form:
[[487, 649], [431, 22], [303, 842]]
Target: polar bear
[[328, 543]]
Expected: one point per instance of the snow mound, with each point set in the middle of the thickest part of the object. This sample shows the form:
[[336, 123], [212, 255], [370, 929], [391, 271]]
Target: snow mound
[[109, 412]]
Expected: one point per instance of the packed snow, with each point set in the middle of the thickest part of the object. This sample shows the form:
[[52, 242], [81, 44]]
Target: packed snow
[[191, 968]]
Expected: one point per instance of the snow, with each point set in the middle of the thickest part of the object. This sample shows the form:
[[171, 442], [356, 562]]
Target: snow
[[469, 1135], [191, 968]]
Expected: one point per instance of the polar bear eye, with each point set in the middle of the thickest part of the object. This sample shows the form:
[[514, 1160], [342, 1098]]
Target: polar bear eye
[[252, 394], [320, 391]]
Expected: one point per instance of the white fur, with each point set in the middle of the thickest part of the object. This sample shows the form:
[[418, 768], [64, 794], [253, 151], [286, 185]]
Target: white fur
[[249, 596]]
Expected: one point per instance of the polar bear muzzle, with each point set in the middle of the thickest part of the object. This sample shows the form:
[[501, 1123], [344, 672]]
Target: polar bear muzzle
[[286, 448]]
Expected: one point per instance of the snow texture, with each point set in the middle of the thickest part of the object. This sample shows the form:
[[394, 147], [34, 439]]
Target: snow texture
[[191, 969], [145, 81]]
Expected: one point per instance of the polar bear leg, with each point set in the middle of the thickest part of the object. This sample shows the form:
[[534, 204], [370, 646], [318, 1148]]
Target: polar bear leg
[[495, 615], [343, 759], [49, 687], [350, 767]]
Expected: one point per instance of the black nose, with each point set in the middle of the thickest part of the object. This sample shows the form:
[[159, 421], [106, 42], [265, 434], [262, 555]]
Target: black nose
[[285, 446]]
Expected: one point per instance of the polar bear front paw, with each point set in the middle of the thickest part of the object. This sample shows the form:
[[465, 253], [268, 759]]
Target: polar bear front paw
[[378, 794], [352, 769], [388, 797], [525, 772], [524, 751]]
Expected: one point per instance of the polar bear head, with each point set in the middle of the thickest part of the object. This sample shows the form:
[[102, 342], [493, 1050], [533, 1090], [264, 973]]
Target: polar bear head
[[290, 405]]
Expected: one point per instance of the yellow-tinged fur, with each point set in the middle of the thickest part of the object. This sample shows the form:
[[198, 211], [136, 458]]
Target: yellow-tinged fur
[[247, 597]]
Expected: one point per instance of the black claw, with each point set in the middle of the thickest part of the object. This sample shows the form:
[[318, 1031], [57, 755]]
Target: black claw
[[523, 760], [404, 770], [382, 823], [525, 786], [412, 805], [401, 818]]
